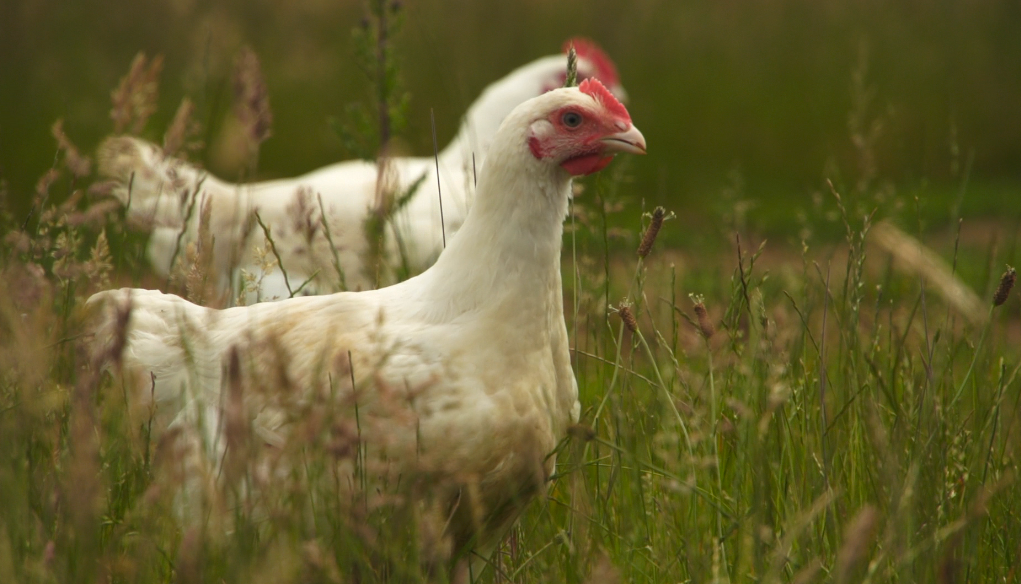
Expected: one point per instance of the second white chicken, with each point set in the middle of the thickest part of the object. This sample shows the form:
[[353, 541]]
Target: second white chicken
[[317, 221]]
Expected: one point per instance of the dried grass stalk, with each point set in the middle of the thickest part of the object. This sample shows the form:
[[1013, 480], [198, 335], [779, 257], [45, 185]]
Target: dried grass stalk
[[857, 537], [913, 256]]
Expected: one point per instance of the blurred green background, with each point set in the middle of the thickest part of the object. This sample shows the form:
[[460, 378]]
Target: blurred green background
[[745, 104]]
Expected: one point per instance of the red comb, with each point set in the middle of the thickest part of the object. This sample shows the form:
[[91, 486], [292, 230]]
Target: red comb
[[600, 93], [586, 49]]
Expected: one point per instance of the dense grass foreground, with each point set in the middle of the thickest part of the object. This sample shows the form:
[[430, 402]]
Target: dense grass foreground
[[834, 422]]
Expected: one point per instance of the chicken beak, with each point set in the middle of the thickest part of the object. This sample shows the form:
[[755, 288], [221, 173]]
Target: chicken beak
[[631, 141]]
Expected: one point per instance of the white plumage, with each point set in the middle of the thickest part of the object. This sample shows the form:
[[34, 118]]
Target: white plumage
[[165, 195], [462, 372]]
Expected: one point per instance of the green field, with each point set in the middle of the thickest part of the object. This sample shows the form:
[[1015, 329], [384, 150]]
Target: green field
[[839, 414]]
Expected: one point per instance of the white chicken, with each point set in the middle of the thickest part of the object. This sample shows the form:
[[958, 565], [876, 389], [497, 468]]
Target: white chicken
[[462, 372], [318, 221]]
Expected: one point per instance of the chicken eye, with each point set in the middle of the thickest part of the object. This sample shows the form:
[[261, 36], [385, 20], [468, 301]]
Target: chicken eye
[[571, 119]]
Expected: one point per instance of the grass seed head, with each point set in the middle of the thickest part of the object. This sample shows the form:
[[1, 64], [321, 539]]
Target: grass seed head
[[628, 317], [857, 538], [583, 432], [571, 80], [705, 325], [121, 321], [651, 232], [42, 186], [1006, 284], [251, 99], [199, 265], [79, 165], [134, 100], [182, 135], [99, 265], [235, 418], [189, 559]]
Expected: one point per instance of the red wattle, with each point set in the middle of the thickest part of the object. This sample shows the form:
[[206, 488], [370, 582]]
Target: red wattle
[[586, 164]]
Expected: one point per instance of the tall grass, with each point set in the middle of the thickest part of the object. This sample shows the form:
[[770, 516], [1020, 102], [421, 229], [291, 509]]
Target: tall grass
[[830, 430], [828, 419]]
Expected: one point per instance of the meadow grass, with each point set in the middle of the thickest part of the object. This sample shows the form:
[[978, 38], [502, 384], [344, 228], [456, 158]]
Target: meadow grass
[[827, 420], [755, 413]]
